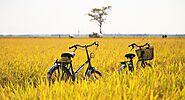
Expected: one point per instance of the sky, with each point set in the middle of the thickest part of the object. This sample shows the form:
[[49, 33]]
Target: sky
[[70, 16]]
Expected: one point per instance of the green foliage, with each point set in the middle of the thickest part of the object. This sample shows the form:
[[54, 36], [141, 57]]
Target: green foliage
[[98, 15]]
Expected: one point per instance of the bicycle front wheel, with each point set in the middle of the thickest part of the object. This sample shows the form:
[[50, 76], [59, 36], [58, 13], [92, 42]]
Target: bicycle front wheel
[[143, 64], [97, 74]]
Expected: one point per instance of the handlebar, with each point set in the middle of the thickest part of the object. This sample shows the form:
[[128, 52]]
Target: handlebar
[[84, 46], [140, 46]]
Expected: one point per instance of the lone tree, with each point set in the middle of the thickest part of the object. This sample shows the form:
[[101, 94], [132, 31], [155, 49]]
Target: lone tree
[[98, 15]]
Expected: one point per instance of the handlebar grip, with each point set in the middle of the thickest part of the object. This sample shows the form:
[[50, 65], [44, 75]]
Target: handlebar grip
[[132, 45], [96, 43], [74, 46], [70, 47], [148, 44]]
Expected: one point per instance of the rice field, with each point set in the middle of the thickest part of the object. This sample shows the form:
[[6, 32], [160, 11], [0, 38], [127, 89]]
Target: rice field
[[24, 63]]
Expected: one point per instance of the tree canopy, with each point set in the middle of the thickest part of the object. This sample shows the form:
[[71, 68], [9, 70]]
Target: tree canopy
[[98, 15]]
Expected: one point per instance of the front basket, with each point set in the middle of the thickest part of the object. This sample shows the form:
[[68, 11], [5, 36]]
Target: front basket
[[148, 53]]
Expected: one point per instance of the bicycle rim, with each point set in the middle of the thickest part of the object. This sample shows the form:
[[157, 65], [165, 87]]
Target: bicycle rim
[[53, 76], [97, 74], [65, 74], [143, 65]]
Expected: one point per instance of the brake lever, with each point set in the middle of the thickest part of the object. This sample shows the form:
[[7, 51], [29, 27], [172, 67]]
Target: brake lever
[[132, 48], [131, 45], [148, 45], [75, 49], [97, 44]]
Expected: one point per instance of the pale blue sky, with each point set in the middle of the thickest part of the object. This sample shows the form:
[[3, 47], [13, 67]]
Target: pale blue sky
[[69, 16]]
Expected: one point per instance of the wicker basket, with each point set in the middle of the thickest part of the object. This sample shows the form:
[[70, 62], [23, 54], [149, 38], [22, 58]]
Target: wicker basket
[[148, 53]]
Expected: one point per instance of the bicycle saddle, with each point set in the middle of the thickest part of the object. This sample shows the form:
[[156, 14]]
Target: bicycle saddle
[[130, 55], [68, 54]]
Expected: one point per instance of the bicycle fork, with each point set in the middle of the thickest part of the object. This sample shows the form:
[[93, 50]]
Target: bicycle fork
[[142, 60], [89, 71]]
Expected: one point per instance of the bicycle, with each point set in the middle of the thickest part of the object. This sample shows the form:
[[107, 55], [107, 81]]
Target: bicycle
[[144, 53], [65, 65]]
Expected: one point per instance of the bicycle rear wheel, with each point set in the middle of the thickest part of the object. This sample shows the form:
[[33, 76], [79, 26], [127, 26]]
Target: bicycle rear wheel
[[122, 67], [54, 74], [65, 74]]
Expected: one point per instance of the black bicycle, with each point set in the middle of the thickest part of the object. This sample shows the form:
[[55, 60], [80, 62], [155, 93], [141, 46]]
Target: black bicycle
[[65, 67], [144, 53]]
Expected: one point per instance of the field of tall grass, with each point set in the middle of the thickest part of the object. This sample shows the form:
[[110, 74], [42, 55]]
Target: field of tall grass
[[24, 63]]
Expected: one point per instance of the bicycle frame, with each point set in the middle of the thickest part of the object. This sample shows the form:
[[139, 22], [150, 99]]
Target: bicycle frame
[[65, 65], [89, 68], [130, 56]]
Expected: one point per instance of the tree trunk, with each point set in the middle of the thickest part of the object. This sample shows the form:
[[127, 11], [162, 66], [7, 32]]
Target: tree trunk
[[100, 28]]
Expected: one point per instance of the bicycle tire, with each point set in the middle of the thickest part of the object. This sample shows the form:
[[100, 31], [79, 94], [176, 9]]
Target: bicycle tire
[[122, 67], [148, 64], [53, 74], [50, 75], [97, 74], [65, 74], [143, 65]]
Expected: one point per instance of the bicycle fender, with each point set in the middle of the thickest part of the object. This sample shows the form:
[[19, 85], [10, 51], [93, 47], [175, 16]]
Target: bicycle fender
[[121, 68], [53, 68]]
